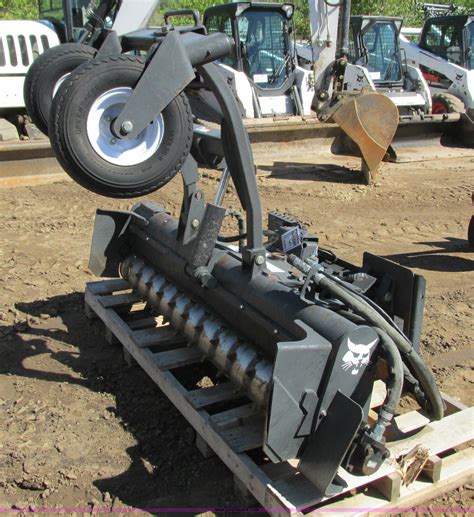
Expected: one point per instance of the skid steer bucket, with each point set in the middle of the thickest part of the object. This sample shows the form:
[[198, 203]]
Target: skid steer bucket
[[371, 121]]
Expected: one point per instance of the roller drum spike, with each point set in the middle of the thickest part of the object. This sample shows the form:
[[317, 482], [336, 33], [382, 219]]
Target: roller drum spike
[[232, 356]]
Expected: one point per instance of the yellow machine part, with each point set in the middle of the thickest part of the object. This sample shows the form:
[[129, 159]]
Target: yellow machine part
[[370, 120]]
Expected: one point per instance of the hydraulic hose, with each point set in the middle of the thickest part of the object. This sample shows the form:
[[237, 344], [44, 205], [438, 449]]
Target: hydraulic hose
[[242, 235], [414, 386], [417, 366], [394, 383], [232, 238]]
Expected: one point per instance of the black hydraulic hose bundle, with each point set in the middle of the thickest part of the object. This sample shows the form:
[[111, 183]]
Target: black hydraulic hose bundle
[[394, 383], [415, 363], [242, 235], [242, 228], [415, 372]]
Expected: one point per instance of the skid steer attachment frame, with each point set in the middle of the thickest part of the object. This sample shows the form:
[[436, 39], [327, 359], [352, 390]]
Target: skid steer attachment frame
[[293, 328]]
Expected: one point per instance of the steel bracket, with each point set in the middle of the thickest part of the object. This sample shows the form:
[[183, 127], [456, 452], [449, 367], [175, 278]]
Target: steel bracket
[[239, 159], [108, 240], [166, 75], [109, 46], [192, 208], [292, 406]]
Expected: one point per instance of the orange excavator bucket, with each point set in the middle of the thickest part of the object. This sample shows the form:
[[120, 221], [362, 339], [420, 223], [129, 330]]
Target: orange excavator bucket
[[370, 120]]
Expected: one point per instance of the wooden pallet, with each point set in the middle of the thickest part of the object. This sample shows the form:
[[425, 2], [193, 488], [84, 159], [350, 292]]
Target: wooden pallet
[[228, 424]]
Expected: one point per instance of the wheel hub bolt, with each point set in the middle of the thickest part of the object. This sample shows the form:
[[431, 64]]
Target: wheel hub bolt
[[126, 127], [259, 260]]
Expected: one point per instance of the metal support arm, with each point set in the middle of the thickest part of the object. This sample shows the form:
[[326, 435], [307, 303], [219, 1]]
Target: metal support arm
[[239, 158], [167, 73]]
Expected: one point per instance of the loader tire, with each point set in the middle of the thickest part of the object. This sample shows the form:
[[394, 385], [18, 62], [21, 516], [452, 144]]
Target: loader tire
[[83, 111], [45, 76], [446, 103], [467, 128], [470, 233]]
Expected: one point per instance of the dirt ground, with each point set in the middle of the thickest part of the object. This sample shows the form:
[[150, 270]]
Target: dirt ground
[[81, 431]]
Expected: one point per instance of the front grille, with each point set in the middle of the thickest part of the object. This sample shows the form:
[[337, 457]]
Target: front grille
[[19, 51]]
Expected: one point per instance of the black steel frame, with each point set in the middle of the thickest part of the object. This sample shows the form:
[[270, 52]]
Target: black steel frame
[[155, 90]]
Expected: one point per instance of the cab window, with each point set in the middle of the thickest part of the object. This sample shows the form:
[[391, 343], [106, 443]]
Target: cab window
[[222, 23], [470, 46], [265, 51], [445, 40], [380, 45]]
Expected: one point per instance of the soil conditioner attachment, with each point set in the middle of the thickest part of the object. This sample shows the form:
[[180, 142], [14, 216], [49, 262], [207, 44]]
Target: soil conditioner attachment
[[300, 332]]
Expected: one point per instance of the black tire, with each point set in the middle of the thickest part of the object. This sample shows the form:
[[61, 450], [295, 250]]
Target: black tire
[[446, 103], [467, 128], [44, 74], [470, 232], [71, 141]]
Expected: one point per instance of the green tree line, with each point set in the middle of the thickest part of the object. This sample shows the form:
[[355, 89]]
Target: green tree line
[[408, 9], [18, 9]]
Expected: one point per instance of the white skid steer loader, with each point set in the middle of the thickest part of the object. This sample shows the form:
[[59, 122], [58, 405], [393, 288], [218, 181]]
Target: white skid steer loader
[[445, 56], [266, 76], [68, 22]]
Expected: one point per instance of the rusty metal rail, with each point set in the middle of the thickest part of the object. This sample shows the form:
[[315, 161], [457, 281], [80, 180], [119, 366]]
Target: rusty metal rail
[[33, 162], [28, 163]]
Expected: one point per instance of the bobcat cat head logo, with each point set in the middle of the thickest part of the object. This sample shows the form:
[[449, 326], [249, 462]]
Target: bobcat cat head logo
[[358, 355]]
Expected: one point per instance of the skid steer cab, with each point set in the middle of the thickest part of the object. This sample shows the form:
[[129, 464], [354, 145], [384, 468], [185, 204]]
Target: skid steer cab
[[450, 37], [445, 57], [374, 44], [263, 65]]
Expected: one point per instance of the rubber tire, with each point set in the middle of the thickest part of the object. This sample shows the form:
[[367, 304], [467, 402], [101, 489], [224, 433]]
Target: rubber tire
[[71, 144], [470, 232], [451, 103], [467, 128], [43, 75]]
